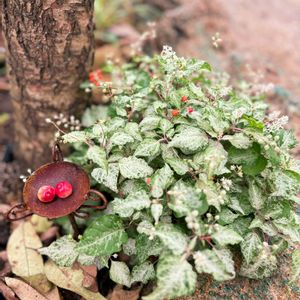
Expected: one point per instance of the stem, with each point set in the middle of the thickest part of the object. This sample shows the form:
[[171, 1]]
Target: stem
[[74, 226]]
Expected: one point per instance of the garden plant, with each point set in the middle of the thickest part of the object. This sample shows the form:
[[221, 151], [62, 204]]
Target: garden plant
[[199, 176]]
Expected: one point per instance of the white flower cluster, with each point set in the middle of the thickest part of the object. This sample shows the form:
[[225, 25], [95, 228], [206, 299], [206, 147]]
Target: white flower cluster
[[150, 34], [24, 177], [275, 122], [263, 88], [191, 220], [216, 40], [237, 169], [168, 52], [226, 183]]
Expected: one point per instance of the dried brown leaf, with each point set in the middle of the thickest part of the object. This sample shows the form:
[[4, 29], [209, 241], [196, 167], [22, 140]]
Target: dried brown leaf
[[24, 258], [71, 279], [119, 293], [7, 292], [23, 290]]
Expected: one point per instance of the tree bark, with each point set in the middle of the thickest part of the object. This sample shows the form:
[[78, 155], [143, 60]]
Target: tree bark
[[49, 52]]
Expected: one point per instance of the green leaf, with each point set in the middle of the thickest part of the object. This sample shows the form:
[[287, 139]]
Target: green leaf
[[165, 125], [213, 159], [149, 123], [132, 128], [109, 178], [143, 273], [93, 114], [161, 179], [132, 167], [178, 165], [251, 246], [241, 225], [148, 148], [175, 278], [263, 266], [129, 247], [121, 139], [288, 228], [218, 263], [226, 216], [146, 247], [295, 266], [225, 235], [256, 197], [238, 140], [189, 140], [120, 273], [61, 251], [251, 159], [75, 137], [184, 199], [134, 201], [172, 238], [283, 184], [98, 156], [104, 236]]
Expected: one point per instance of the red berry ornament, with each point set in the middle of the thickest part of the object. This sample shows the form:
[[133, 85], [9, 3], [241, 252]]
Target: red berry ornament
[[148, 180], [63, 189], [175, 112], [190, 110], [46, 193], [184, 98]]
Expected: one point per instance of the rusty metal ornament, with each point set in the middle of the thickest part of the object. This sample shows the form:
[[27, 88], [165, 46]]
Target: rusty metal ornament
[[51, 174]]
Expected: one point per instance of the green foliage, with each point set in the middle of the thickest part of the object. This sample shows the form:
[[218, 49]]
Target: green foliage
[[190, 188]]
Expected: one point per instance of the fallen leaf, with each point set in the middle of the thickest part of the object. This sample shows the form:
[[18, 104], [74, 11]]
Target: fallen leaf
[[53, 294], [5, 266], [23, 290], [7, 292], [24, 258], [119, 294], [71, 279], [40, 224]]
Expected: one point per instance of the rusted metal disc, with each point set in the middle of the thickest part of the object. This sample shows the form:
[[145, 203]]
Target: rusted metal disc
[[51, 174]]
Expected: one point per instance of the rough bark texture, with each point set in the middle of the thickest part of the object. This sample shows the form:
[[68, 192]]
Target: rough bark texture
[[50, 48]]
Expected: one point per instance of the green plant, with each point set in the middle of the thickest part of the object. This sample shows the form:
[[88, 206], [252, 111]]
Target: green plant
[[191, 190]]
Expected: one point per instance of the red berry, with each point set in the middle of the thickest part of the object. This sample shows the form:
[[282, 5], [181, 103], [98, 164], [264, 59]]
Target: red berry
[[148, 180], [63, 189], [184, 98], [175, 112], [46, 193], [190, 110]]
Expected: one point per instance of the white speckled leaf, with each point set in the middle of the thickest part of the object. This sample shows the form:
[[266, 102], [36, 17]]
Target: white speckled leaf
[[176, 278], [135, 201], [109, 178], [61, 251], [218, 263], [120, 273], [132, 167], [103, 237], [172, 238]]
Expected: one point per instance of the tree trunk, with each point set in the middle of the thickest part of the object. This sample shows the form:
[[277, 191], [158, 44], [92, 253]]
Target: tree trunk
[[49, 52]]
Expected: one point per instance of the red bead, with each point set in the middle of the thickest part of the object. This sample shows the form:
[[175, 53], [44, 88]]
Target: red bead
[[63, 189], [148, 180], [46, 193], [190, 110], [175, 112], [184, 98]]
